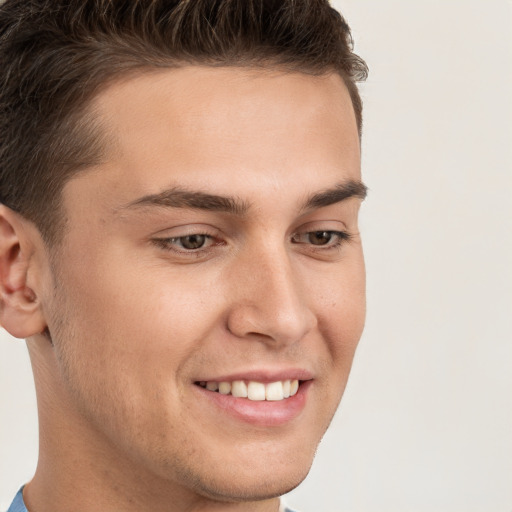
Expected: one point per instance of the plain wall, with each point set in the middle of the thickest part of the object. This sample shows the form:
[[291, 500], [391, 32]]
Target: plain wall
[[426, 421]]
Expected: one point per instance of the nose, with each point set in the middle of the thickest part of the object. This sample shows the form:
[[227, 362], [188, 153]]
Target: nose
[[270, 304]]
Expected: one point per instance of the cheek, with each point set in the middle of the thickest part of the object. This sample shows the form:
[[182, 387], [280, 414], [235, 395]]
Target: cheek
[[342, 313], [126, 330], [124, 370]]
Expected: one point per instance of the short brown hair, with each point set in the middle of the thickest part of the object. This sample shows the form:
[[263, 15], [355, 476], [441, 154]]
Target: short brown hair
[[56, 54]]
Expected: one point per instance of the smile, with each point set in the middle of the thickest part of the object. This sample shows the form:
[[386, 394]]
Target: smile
[[253, 390]]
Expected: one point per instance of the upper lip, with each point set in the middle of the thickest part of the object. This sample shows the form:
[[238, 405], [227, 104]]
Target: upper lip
[[261, 375]]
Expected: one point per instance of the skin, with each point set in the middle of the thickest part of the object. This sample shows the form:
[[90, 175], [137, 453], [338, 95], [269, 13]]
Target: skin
[[136, 322]]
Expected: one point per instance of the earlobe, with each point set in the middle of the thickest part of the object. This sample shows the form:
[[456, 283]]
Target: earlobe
[[20, 311]]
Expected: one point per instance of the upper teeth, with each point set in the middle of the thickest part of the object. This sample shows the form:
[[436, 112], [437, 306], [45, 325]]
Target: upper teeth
[[255, 390]]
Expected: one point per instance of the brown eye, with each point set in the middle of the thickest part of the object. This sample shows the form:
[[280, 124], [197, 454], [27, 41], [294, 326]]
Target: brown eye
[[192, 242], [320, 237]]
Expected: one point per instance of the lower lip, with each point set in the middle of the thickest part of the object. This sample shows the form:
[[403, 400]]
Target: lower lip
[[263, 413]]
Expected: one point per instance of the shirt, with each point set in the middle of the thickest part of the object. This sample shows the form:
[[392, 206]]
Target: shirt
[[18, 504]]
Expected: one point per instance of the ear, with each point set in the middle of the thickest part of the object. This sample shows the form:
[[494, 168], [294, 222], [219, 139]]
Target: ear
[[20, 311]]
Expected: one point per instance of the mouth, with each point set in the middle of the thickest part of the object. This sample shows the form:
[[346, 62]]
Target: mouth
[[259, 397], [254, 390]]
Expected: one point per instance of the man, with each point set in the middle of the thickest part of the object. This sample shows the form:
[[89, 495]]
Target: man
[[180, 185]]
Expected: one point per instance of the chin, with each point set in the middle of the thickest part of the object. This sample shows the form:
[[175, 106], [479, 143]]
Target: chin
[[244, 479], [253, 488]]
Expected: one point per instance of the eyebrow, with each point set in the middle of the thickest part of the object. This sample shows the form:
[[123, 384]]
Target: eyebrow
[[196, 200], [180, 198], [339, 193]]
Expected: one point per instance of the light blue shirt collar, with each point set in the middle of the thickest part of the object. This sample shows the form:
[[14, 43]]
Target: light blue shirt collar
[[18, 505]]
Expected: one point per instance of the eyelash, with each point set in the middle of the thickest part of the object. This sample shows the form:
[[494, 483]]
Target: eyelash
[[171, 244]]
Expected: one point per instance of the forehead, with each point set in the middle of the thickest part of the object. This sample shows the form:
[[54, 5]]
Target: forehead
[[225, 130], [218, 109], [195, 91]]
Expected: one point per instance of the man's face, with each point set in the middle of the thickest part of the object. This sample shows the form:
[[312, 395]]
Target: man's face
[[213, 246]]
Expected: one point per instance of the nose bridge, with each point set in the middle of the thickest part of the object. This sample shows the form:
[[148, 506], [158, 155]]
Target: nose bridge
[[270, 302]]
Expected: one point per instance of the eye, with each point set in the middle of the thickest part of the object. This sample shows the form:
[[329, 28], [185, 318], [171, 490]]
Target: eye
[[191, 242], [321, 238], [186, 244]]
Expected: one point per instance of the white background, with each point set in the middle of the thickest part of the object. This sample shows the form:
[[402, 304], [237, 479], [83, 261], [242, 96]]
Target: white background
[[426, 421]]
